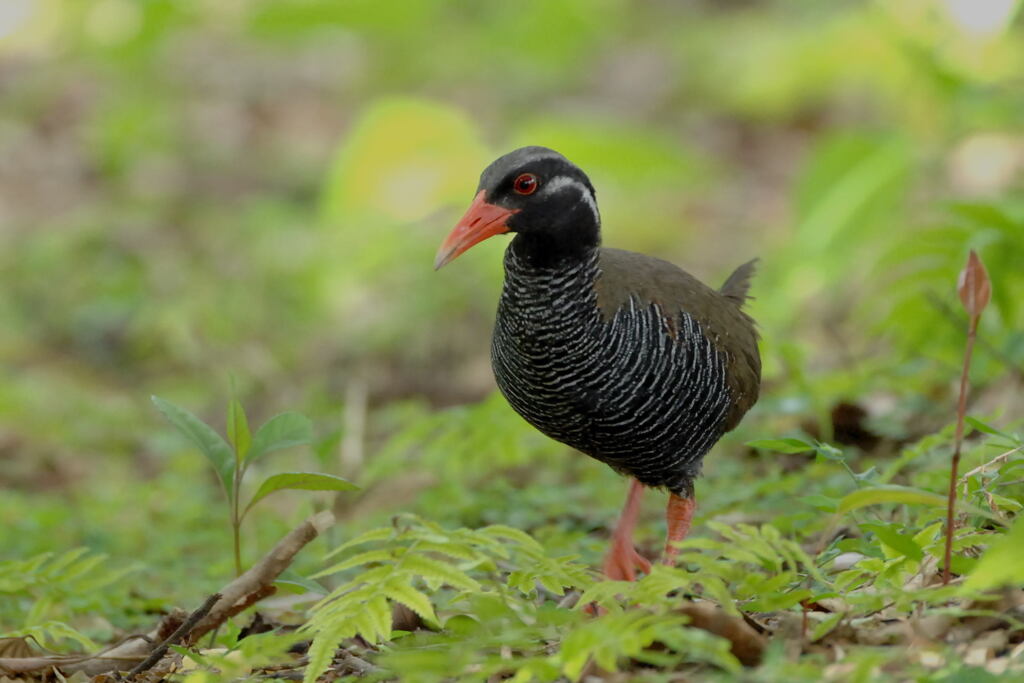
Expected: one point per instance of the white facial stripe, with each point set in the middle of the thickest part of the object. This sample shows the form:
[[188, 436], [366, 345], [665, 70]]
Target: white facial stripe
[[559, 183]]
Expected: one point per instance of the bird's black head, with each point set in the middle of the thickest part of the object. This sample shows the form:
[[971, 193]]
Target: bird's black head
[[538, 194]]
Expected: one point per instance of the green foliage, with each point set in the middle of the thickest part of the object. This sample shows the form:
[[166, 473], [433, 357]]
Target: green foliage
[[1001, 564], [613, 637], [414, 556], [498, 590], [749, 568], [918, 277], [39, 594]]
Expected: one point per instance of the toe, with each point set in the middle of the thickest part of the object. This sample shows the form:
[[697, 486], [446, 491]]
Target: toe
[[623, 561]]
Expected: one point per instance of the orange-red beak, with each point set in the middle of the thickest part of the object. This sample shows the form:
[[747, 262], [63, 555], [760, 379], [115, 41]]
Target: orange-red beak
[[482, 220]]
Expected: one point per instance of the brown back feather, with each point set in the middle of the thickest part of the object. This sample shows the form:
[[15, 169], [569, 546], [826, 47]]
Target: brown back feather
[[730, 329]]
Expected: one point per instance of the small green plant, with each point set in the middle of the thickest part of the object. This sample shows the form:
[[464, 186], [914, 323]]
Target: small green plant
[[231, 462]]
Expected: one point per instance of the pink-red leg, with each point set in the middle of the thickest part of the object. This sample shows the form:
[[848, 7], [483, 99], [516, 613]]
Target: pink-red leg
[[622, 560], [679, 515]]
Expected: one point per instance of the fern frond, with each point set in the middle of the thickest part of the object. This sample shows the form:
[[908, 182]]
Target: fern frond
[[368, 557], [400, 590], [437, 573], [322, 649]]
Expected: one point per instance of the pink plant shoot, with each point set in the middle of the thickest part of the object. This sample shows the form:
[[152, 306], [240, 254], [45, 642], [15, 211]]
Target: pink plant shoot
[[974, 287], [975, 290]]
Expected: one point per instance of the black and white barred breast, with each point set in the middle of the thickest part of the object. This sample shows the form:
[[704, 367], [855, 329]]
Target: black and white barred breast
[[641, 387]]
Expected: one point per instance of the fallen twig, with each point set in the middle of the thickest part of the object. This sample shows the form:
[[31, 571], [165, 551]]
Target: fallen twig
[[998, 460], [242, 592], [357, 664]]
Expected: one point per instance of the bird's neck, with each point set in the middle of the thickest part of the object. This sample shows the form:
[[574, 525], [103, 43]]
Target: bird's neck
[[533, 277]]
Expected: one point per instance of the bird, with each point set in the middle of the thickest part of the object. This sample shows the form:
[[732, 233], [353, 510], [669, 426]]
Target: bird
[[622, 356]]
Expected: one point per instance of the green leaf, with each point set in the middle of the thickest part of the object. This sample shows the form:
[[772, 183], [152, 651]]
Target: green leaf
[[293, 587], [1001, 564], [238, 429], [989, 429], [281, 431], [209, 442], [891, 493], [393, 138], [888, 494], [303, 481], [902, 544], [867, 475], [825, 626], [771, 601], [789, 445], [828, 452], [1004, 503]]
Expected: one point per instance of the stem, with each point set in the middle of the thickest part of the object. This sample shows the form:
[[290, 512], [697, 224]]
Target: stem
[[238, 550], [236, 521], [961, 410], [853, 475]]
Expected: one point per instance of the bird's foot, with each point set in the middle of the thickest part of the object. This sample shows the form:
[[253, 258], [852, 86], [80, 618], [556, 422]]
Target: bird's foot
[[622, 561]]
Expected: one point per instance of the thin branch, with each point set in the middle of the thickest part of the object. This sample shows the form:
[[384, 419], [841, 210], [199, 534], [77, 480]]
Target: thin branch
[[1002, 457], [176, 637]]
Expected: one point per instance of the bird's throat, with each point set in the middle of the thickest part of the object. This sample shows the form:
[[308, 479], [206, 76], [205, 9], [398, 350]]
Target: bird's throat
[[554, 250]]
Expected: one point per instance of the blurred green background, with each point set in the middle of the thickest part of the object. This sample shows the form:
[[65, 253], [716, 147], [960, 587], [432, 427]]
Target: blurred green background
[[193, 191]]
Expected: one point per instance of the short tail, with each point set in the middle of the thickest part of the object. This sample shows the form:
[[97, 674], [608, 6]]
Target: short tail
[[737, 285]]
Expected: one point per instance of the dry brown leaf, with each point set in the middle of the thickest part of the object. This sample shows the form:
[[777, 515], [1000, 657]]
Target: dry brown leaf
[[747, 645], [17, 647]]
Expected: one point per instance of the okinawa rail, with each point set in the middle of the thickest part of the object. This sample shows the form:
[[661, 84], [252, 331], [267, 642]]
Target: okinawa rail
[[622, 356]]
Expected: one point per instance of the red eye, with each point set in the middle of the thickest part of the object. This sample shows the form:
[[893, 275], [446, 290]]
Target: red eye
[[525, 184]]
